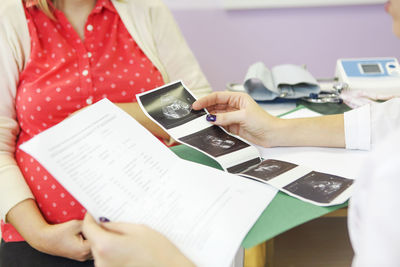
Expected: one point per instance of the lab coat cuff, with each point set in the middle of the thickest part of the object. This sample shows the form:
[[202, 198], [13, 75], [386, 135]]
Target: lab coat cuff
[[357, 128]]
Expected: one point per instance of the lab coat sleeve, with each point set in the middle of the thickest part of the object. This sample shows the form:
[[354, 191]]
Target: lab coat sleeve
[[13, 188], [357, 128], [369, 124], [374, 214]]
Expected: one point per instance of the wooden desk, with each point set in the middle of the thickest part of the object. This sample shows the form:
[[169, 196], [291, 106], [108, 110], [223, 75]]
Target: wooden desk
[[262, 255]]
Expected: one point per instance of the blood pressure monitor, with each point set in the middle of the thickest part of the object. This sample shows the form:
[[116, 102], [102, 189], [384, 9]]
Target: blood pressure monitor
[[375, 75]]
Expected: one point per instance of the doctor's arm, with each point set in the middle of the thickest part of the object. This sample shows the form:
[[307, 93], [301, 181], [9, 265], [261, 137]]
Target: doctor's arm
[[241, 115]]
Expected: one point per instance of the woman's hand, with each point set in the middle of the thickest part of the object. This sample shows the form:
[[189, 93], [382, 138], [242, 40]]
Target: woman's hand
[[240, 115], [64, 239], [124, 244]]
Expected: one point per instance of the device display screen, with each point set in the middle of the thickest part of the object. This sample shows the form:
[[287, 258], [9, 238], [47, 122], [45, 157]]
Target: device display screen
[[371, 68]]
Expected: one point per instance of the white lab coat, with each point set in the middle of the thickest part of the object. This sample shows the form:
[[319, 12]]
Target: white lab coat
[[374, 212]]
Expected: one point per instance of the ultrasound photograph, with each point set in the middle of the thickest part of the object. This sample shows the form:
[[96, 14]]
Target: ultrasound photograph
[[171, 106], [214, 141], [319, 187], [270, 168], [241, 167]]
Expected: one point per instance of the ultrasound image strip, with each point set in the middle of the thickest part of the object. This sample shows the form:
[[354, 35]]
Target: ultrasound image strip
[[171, 107], [319, 187], [269, 169]]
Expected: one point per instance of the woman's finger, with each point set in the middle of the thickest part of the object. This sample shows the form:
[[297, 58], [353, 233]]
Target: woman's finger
[[228, 118], [92, 231], [123, 228], [225, 98]]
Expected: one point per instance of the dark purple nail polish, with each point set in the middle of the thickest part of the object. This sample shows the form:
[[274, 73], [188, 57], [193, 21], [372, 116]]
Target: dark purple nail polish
[[104, 219], [211, 118]]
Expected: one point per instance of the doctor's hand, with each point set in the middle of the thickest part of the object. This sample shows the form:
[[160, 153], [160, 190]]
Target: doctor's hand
[[124, 244], [241, 115]]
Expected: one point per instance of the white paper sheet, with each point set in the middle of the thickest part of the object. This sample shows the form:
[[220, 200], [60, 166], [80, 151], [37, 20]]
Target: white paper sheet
[[118, 170]]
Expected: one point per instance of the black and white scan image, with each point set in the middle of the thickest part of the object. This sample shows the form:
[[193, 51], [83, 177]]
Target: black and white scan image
[[171, 106], [241, 167], [319, 187], [214, 141], [269, 169]]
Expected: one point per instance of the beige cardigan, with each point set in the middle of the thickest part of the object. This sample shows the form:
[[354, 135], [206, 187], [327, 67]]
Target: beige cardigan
[[150, 24]]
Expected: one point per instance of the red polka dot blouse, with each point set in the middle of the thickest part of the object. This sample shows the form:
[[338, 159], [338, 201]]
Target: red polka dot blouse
[[65, 74]]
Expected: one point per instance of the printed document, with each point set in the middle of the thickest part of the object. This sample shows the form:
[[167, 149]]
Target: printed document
[[116, 169]]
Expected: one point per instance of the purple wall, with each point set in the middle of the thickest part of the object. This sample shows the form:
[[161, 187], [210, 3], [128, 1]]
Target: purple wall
[[227, 42]]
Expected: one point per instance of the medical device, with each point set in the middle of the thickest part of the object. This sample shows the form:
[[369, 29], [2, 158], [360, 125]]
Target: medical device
[[331, 96], [374, 75]]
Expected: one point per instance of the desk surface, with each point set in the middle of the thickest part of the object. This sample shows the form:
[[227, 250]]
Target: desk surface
[[282, 214]]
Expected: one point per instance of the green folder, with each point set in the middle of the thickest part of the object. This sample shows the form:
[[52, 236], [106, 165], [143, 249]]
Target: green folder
[[283, 213]]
